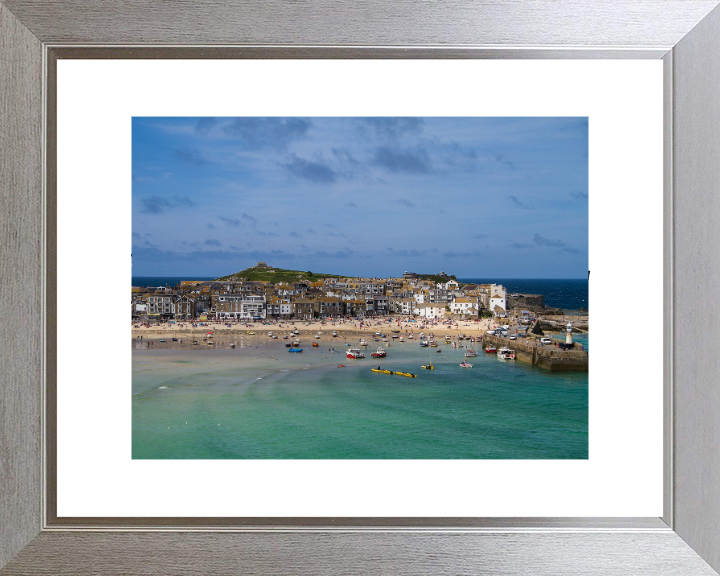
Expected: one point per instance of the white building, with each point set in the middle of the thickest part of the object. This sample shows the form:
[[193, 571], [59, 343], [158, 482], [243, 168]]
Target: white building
[[430, 311], [498, 297], [253, 307], [463, 306]]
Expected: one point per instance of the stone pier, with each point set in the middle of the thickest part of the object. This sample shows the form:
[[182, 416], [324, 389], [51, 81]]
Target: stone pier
[[548, 356]]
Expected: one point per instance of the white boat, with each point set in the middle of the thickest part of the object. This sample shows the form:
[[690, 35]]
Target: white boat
[[355, 353], [410, 337], [334, 334], [471, 353], [296, 342], [362, 342], [464, 364], [380, 353], [317, 336], [402, 339], [506, 354]]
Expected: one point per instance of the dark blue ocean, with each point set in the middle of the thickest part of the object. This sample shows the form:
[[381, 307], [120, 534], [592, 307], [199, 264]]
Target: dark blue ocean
[[155, 281], [565, 294]]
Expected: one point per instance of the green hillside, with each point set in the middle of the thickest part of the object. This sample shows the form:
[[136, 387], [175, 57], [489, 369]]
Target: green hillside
[[437, 278], [277, 275]]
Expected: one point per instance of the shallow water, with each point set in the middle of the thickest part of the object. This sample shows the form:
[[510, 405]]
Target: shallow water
[[260, 401]]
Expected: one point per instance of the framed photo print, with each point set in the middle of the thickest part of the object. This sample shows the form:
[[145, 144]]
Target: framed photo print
[[321, 294]]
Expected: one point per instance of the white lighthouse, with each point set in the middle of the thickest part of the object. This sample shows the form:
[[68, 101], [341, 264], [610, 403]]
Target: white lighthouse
[[568, 338]]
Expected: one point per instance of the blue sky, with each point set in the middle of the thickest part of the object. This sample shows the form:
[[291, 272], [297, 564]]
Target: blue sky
[[477, 197]]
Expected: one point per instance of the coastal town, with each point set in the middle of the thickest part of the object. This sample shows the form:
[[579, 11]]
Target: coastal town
[[326, 308], [428, 297]]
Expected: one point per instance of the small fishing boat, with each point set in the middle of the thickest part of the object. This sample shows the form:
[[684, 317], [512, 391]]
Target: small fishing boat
[[506, 354], [428, 367], [285, 337], [380, 353], [317, 336], [334, 334], [410, 336], [315, 344], [296, 342], [464, 364], [232, 345], [174, 339], [161, 340], [295, 350], [490, 348], [402, 339], [433, 344], [362, 342], [355, 354], [288, 345], [195, 342], [471, 353], [381, 371], [424, 344], [341, 365]]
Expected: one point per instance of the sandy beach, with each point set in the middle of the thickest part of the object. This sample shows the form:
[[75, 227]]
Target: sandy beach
[[345, 329]]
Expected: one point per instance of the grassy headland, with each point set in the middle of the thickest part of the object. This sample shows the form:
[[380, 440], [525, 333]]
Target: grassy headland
[[277, 275]]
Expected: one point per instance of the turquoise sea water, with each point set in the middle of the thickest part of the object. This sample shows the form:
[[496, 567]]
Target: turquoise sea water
[[243, 403]]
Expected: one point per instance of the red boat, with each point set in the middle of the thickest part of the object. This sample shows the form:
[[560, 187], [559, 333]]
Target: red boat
[[379, 354], [355, 353], [490, 349]]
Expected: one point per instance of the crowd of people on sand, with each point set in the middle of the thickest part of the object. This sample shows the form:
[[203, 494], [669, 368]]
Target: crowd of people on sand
[[342, 325]]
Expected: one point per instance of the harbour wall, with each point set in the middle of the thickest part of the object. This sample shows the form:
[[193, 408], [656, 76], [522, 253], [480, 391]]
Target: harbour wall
[[548, 357]]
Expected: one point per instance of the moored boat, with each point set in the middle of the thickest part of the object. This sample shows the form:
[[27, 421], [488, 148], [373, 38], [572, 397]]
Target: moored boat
[[428, 367], [295, 350], [490, 348], [464, 364], [380, 353], [355, 353], [471, 353], [506, 354], [381, 371]]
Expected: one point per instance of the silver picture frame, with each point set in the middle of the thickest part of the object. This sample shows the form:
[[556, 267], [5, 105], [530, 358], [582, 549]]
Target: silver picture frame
[[685, 34]]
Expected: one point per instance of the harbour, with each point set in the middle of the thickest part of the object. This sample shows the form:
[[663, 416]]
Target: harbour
[[258, 401]]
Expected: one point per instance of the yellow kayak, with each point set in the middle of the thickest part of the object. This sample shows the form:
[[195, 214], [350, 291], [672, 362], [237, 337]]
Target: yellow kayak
[[406, 374], [382, 371]]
